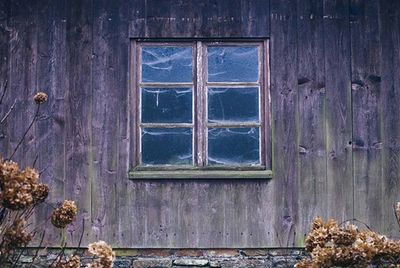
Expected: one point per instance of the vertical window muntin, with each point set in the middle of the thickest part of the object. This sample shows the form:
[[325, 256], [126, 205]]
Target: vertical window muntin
[[200, 86]]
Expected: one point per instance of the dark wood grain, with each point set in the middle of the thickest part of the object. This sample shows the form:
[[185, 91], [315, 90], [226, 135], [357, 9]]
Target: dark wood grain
[[5, 36], [79, 168], [50, 132], [284, 95], [123, 193], [389, 12], [104, 123], [22, 80], [338, 110], [366, 94], [211, 18], [311, 98]]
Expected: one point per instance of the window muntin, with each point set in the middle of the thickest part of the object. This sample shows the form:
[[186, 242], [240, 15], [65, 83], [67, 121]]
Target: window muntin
[[213, 119]]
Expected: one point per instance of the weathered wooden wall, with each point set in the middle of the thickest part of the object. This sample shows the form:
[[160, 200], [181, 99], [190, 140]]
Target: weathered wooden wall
[[335, 90]]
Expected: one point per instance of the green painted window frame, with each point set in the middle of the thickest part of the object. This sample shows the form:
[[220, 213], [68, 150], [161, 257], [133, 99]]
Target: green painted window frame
[[198, 170]]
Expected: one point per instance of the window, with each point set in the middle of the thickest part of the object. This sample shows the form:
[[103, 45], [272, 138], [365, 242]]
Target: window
[[201, 106]]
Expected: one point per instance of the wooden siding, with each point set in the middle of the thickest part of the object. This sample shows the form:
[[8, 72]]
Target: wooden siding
[[335, 95]]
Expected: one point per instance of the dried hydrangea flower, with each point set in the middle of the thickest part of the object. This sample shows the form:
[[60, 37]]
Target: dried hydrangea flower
[[332, 245], [306, 264], [64, 215], [19, 186], [344, 236], [72, 262], [319, 235], [40, 97], [16, 236], [40, 193], [103, 252], [8, 169]]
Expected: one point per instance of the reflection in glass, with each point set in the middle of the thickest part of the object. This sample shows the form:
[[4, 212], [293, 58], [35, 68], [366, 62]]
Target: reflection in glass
[[166, 105], [167, 64], [233, 104], [233, 146], [233, 64], [166, 146]]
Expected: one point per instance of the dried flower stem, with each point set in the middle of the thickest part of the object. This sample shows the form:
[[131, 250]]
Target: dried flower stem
[[37, 250], [15, 262], [58, 257], [26, 132], [35, 160], [352, 220], [4, 91], [8, 112], [83, 230]]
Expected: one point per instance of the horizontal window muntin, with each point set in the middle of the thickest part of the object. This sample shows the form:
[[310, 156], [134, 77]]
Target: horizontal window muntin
[[200, 124]]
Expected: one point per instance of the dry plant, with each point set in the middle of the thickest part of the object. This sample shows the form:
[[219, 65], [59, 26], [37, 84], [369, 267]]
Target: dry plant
[[20, 193], [345, 245]]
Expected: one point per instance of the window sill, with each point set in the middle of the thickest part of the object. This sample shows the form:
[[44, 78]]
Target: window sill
[[200, 174]]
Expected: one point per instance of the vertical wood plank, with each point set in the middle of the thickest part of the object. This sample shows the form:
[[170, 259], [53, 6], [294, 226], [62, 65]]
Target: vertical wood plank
[[51, 78], [390, 112], [284, 97], [311, 85], [122, 90], [5, 36], [338, 109], [104, 124], [23, 58], [80, 171], [367, 140]]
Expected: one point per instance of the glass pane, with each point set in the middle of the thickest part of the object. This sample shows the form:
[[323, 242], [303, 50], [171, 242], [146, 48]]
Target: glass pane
[[233, 64], [233, 146], [166, 105], [233, 104], [167, 64], [166, 146]]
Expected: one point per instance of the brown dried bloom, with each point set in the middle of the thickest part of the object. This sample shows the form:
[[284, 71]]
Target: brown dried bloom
[[40, 97], [305, 264], [323, 257], [332, 245], [16, 235], [344, 236], [18, 186], [103, 252], [40, 192], [320, 234], [64, 215], [8, 170], [71, 262]]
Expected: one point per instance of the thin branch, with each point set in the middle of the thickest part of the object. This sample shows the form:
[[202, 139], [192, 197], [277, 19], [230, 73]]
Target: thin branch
[[83, 230], [59, 256], [43, 170], [26, 132], [366, 225], [38, 249], [8, 112], [34, 161], [4, 91]]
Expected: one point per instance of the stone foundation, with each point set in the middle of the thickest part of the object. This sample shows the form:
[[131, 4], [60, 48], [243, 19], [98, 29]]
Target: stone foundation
[[189, 258]]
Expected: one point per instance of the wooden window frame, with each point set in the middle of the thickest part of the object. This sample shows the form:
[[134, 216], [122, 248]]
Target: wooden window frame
[[199, 125]]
